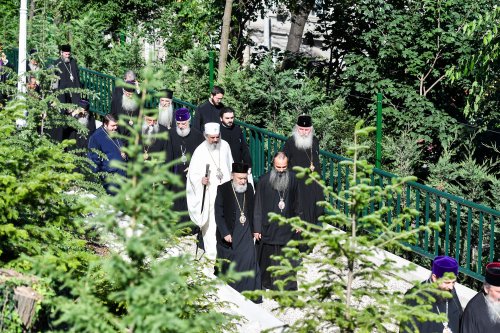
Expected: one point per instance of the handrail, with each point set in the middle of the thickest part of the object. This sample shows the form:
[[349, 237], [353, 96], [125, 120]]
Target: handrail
[[469, 232]]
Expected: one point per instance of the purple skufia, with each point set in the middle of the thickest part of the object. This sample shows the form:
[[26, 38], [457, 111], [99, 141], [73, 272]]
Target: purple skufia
[[182, 114], [444, 264]]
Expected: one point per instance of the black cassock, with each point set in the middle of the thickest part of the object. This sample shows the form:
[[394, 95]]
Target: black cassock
[[311, 193], [239, 148], [176, 147], [274, 235], [69, 77], [155, 144], [438, 307], [241, 250], [476, 318], [206, 113], [119, 112]]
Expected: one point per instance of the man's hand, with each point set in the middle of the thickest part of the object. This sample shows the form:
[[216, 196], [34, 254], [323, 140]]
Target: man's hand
[[228, 238], [204, 180], [257, 235]]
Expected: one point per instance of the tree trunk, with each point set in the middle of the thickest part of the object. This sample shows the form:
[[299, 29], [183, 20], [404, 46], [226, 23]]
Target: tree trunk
[[299, 19], [224, 39], [32, 10]]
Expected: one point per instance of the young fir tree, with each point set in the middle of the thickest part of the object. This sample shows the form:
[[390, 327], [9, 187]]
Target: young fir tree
[[139, 287], [350, 293]]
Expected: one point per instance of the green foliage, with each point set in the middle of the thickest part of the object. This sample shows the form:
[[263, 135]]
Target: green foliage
[[272, 98], [350, 293], [458, 171], [139, 286]]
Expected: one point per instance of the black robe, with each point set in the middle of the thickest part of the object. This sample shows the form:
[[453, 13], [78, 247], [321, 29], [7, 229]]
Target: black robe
[[206, 113], [311, 193], [239, 148], [454, 315], [82, 139], [476, 317], [157, 145], [117, 111], [175, 146], [274, 235], [63, 71], [242, 250]]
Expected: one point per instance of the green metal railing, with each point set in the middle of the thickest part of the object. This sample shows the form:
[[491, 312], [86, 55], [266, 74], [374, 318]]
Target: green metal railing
[[469, 233]]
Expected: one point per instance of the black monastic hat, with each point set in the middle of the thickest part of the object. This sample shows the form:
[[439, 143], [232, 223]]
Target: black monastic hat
[[166, 93], [240, 168], [65, 48], [304, 121], [492, 276], [84, 104]]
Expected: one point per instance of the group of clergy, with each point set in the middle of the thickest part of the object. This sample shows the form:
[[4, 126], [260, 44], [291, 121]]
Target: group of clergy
[[482, 313]]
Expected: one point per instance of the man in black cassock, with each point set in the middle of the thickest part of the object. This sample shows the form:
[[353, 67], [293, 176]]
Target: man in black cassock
[[182, 142], [153, 138], [277, 192], [234, 218], [302, 149], [69, 77], [209, 112], [232, 134], [482, 314], [440, 305], [166, 108], [126, 106], [86, 119], [118, 91]]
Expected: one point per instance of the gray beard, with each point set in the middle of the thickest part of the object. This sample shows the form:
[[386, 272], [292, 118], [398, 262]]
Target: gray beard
[[128, 104], [165, 116], [212, 146], [33, 67], [279, 180], [302, 142], [183, 132], [240, 188], [66, 60], [84, 121], [493, 310], [148, 130]]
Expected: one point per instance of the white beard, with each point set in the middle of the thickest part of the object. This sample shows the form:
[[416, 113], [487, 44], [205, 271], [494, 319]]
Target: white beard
[[302, 142], [493, 310], [128, 104], [66, 60], [183, 132], [165, 115], [239, 188]]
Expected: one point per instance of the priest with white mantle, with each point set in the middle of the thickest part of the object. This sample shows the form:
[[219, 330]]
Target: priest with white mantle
[[214, 155]]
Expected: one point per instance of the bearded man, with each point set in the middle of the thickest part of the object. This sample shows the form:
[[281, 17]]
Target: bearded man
[[444, 272], [166, 108], [209, 111], [277, 192], [482, 313], [302, 149], [210, 166], [235, 233], [127, 107], [86, 118], [69, 75], [152, 140]]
